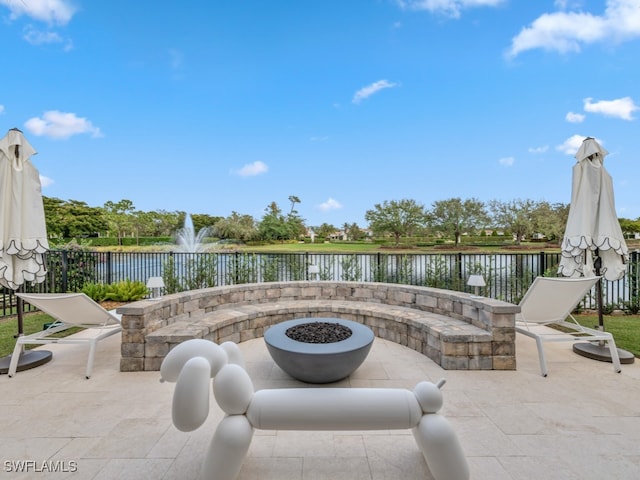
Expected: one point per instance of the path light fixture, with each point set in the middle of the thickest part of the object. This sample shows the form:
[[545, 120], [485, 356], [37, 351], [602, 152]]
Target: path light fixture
[[314, 271], [155, 284], [476, 281]]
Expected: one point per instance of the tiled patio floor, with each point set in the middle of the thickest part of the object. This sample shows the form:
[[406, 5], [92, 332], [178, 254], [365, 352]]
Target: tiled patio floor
[[582, 422]]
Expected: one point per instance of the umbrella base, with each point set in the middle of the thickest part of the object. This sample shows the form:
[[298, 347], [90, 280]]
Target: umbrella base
[[601, 353], [28, 359]]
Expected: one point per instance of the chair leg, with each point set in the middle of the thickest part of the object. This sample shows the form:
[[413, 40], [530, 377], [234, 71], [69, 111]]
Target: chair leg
[[615, 358], [543, 361], [15, 358], [92, 355]]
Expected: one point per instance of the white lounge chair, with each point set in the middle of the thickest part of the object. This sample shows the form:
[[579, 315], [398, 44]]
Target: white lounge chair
[[69, 310], [551, 301]]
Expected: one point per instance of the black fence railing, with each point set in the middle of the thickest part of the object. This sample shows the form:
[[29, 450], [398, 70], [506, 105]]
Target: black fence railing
[[507, 276]]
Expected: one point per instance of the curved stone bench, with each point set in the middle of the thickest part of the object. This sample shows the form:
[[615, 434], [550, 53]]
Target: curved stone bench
[[454, 329]]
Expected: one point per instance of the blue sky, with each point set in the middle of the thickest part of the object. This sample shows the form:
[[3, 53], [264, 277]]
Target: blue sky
[[211, 106]]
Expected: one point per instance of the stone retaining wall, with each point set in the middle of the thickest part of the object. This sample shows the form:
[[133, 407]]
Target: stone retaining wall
[[454, 329]]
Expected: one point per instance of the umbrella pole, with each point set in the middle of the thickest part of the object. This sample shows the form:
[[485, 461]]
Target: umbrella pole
[[599, 302], [597, 264], [20, 308]]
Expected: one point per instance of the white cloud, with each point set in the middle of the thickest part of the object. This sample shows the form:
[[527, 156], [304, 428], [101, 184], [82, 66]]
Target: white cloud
[[369, 90], [330, 204], [52, 12], [507, 161], [45, 181], [568, 31], [572, 144], [620, 108], [573, 117], [37, 37], [1, 109], [55, 124], [253, 169], [542, 149], [450, 8]]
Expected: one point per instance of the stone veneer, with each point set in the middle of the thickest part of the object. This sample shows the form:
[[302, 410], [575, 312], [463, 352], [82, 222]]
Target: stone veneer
[[456, 330]]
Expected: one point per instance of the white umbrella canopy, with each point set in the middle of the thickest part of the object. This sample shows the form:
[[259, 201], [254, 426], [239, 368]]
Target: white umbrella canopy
[[23, 233], [592, 226]]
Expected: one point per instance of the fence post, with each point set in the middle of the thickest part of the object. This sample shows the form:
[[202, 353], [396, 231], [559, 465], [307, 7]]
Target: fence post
[[633, 278], [109, 269], [235, 267], [64, 259], [542, 267]]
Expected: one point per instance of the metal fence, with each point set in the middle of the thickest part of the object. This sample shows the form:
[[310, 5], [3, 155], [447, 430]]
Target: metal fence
[[508, 276]]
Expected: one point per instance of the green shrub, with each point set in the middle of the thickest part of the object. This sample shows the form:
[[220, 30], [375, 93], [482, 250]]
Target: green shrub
[[632, 307], [608, 308], [96, 291], [124, 291], [127, 291]]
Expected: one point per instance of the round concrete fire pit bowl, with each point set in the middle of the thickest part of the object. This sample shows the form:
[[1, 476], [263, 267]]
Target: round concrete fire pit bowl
[[319, 362]]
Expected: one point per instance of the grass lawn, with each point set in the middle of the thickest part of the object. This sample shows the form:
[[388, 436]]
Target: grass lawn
[[32, 323], [348, 247], [624, 328]]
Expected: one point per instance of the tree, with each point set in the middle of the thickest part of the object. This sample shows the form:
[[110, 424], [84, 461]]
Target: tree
[[550, 220], [517, 216], [273, 225], [295, 222], [202, 220], [119, 216], [630, 227], [396, 217], [72, 219], [355, 232], [160, 223], [236, 226], [293, 199], [455, 216], [324, 230]]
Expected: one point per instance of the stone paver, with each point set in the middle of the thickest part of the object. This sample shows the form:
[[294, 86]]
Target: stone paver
[[581, 422]]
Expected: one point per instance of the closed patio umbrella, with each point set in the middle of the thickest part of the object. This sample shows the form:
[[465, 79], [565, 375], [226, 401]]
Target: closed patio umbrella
[[593, 243], [23, 234]]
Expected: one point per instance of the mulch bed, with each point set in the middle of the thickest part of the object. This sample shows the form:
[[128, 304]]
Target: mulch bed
[[109, 305]]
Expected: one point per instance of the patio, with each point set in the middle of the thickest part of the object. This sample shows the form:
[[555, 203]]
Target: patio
[[582, 422]]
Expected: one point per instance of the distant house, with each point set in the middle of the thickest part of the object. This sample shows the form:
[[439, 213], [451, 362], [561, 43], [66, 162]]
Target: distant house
[[338, 235]]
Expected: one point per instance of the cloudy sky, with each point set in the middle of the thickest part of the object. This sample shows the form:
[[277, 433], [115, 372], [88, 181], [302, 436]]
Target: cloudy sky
[[213, 106]]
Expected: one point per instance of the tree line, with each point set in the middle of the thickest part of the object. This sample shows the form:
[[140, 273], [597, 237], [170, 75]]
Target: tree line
[[450, 219]]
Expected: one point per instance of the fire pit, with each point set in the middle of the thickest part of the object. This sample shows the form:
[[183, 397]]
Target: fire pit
[[319, 350]]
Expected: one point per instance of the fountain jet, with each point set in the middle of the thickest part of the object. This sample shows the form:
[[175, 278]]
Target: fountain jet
[[186, 237]]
